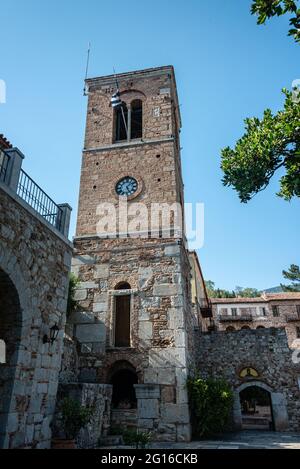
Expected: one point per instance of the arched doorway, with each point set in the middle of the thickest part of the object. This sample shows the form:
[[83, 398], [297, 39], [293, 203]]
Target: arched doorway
[[256, 408], [10, 334], [277, 402], [123, 377]]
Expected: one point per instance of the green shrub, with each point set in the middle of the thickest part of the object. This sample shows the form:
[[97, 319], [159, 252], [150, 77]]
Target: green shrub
[[211, 403], [133, 437], [72, 303], [74, 417]]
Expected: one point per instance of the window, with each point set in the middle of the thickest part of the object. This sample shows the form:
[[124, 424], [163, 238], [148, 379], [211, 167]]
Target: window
[[122, 316], [298, 332], [234, 311], [129, 121], [298, 310], [275, 311], [260, 327], [121, 123], [230, 329], [263, 311], [136, 119]]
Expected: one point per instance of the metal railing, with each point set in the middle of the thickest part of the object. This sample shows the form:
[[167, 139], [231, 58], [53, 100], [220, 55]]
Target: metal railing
[[224, 318], [34, 196], [4, 162], [292, 317]]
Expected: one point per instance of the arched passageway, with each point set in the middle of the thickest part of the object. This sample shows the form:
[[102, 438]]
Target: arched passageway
[[10, 333], [256, 408], [123, 378]]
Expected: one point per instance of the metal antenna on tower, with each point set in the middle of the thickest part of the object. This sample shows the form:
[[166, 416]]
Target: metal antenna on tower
[[85, 89]]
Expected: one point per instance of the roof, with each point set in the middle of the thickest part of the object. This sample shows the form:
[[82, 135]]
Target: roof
[[265, 297], [4, 143]]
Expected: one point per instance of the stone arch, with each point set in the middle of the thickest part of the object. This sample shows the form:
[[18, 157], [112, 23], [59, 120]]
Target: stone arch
[[230, 329], [123, 377], [10, 334], [278, 405], [15, 297]]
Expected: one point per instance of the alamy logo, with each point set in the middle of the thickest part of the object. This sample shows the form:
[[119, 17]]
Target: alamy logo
[[2, 351], [2, 92], [296, 91]]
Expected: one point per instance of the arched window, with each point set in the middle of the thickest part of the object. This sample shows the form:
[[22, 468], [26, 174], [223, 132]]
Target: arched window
[[128, 121], [122, 316], [230, 329], [136, 121], [260, 327], [245, 327], [123, 286], [121, 123]]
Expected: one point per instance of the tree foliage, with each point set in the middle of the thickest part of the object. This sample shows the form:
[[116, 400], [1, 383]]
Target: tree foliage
[[211, 404], [72, 303], [266, 9], [213, 292], [268, 144], [292, 274]]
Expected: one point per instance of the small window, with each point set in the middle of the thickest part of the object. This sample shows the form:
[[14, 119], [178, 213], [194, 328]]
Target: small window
[[230, 329], [263, 311], [234, 311], [275, 310], [136, 119], [298, 332], [260, 327], [245, 327]]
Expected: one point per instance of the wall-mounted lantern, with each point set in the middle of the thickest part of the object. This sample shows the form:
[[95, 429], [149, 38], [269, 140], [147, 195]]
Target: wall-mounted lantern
[[54, 330]]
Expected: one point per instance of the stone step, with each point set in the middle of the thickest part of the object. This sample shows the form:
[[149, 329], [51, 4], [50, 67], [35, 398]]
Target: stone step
[[112, 440]]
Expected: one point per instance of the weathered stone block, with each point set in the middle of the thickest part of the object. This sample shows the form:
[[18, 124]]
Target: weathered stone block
[[90, 332], [147, 391], [167, 289], [101, 271], [145, 330], [148, 408], [175, 413]]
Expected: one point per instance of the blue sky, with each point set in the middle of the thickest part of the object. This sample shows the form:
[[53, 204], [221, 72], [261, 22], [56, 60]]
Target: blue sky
[[227, 68]]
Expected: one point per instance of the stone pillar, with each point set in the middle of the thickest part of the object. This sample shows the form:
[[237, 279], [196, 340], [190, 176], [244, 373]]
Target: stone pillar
[[148, 397], [15, 163], [280, 415], [65, 221], [237, 412]]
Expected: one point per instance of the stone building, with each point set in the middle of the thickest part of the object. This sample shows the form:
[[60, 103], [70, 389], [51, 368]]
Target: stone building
[[134, 324], [260, 366], [269, 310], [35, 258]]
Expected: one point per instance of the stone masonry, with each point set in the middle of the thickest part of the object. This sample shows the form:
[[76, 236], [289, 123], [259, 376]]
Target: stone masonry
[[34, 264], [266, 350]]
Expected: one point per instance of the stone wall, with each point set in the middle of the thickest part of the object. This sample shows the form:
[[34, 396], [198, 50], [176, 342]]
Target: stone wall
[[34, 265], [221, 354], [161, 323], [94, 396]]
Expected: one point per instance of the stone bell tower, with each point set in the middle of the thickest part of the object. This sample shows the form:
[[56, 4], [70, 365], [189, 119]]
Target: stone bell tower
[[134, 326]]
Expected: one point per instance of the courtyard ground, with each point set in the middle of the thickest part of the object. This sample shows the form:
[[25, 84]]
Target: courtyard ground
[[247, 439]]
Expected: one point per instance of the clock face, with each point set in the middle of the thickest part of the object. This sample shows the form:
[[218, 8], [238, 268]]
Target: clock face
[[126, 186]]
